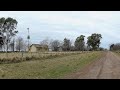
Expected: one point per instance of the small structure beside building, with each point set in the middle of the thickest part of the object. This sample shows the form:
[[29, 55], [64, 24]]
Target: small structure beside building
[[38, 48]]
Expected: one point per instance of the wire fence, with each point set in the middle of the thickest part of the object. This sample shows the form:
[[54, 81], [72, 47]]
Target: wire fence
[[11, 55]]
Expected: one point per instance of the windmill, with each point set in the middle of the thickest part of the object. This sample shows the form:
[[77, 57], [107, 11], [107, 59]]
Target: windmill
[[28, 37]]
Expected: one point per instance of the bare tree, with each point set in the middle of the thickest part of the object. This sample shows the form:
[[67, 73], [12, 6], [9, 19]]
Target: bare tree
[[45, 42], [12, 45], [55, 44], [25, 45], [20, 44]]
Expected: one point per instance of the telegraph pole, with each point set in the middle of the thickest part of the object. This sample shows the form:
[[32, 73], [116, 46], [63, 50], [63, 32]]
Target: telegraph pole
[[28, 38]]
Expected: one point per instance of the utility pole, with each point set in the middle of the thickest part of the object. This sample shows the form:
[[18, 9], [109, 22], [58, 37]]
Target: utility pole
[[28, 38]]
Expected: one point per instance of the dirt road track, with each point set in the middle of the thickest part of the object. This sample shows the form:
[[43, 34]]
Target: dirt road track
[[108, 67]]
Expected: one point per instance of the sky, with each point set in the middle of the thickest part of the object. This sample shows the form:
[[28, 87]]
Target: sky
[[70, 24]]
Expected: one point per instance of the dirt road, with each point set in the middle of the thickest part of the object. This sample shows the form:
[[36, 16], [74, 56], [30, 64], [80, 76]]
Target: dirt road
[[107, 67]]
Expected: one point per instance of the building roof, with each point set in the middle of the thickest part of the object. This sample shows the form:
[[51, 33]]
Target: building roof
[[38, 45]]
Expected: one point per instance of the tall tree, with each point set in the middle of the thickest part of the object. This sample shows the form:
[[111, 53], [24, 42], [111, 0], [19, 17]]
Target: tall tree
[[45, 42], [94, 41], [2, 37], [1, 41], [66, 44], [7, 28], [79, 43]]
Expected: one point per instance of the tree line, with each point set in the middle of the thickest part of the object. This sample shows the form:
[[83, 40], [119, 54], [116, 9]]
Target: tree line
[[8, 32], [93, 43], [114, 47]]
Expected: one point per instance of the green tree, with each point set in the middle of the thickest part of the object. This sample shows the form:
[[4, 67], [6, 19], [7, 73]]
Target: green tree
[[94, 41], [79, 43], [7, 28], [66, 44]]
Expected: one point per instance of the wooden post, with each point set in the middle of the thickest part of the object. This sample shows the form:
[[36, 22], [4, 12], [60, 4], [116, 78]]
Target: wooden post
[[22, 55]]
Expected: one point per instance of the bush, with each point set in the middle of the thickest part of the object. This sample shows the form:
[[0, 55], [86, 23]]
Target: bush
[[27, 58]]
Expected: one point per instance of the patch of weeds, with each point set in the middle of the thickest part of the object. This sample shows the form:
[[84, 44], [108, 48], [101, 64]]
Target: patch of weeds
[[3, 75], [43, 67], [68, 65], [27, 58]]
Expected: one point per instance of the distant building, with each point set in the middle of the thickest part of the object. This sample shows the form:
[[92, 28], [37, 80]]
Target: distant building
[[38, 48]]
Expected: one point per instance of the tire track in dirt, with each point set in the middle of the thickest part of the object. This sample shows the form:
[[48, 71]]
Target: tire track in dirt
[[93, 73], [106, 70], [111, 67], [94, 70], [108, 67]]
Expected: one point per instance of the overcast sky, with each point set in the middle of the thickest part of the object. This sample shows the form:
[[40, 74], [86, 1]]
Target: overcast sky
[[69, 24]]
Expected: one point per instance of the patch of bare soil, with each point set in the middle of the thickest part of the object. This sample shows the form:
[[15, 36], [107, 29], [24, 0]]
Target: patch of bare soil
[[108, 67]]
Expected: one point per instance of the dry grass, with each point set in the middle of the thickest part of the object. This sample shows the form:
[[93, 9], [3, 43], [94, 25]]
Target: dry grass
[[19, 57], [48, 68]]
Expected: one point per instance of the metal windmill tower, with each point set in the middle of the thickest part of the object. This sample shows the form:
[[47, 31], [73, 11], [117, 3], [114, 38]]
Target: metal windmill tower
[[28, 37]]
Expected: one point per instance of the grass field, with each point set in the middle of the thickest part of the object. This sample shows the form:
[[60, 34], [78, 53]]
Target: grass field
[[52, 68], [14, 57]]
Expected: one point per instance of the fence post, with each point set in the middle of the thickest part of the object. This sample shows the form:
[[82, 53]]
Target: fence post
[[22, 55], [7, 54]]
